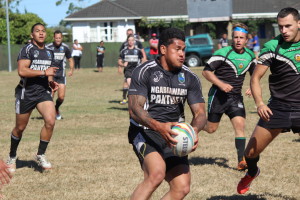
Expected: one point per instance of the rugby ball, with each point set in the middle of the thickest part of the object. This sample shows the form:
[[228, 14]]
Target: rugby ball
[[186, 137]]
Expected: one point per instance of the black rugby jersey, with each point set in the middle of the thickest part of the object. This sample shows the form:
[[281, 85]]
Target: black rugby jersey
[[60, 54], [132, 56], [284, 80], [166, 92], [231, 67], [41, 59], [101, 48]]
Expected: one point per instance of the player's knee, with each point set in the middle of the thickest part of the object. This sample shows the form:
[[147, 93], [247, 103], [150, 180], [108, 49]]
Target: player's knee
[[156, 178], [50, 123], [181, 191], [210, 129], [18, 130]]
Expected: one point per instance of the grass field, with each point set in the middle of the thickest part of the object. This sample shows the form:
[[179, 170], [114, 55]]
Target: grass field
[[92, 159]]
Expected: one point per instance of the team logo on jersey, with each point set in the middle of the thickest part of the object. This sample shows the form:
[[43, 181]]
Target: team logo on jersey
[[61, 49], [135, 52], [297, 57], [157, 76], [49, 54], [241, 65], [36, 53], [181, 78]]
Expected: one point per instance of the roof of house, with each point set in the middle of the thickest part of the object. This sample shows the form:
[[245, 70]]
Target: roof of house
[[135, 9], [132, 9]]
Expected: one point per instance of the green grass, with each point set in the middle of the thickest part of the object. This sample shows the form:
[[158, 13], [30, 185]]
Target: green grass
[[92, 158]]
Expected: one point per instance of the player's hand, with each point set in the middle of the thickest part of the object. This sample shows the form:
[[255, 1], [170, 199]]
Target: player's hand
[[70, 73], [53, 85], [264, 112], [125, 64], [248, 92], [226, 87], [166, 132], [5, 175], [51, 71]]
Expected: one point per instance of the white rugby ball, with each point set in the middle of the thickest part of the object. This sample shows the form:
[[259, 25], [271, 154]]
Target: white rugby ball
[[186, 137]]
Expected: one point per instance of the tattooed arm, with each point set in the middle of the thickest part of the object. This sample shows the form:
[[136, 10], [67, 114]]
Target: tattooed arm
[[199, 119], [138, 114]]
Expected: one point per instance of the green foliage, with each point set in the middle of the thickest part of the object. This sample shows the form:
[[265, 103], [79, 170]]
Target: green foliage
[[211, 29], [20, 27], [179, 23], [72, 7]]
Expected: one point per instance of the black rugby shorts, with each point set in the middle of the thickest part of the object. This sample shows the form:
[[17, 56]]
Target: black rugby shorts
[[147, 141], [60, 79], [219, 103]]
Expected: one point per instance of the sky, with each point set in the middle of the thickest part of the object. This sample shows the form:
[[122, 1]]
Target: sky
[[48, 11]]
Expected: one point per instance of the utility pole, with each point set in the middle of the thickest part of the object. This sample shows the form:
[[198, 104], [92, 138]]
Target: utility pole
[[8, 37]]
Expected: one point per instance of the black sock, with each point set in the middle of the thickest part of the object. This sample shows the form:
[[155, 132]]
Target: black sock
[[14, 143], [240, 143], [58, 104], [125, 90], [252, 165], [42, 147]]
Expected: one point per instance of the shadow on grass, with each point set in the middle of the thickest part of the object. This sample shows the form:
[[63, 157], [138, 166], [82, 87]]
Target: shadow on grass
[[118, 108], [114, 101], [37, 118], [28, 164], [264, 196], [222, 162], [296, 140]]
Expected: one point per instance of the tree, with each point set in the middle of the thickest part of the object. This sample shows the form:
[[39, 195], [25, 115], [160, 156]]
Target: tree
[[20, 27], [72, 7]]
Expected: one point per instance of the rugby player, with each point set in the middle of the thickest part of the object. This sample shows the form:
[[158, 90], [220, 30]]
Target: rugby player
[[281, 55], [124, 45], [226, 70], [130, 58], [157, 94], [61, 53], [34, 91]]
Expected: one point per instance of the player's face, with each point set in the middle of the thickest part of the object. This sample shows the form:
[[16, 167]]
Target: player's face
[[131, 41], [239, 40], [129, 32], [58, 39], [289, 28], [39, 34], [174, 53]]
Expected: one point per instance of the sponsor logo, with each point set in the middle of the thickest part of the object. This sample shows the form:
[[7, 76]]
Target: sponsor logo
[[297, 57], [49, 54], [181, 78], [157, 76], [36, 53]]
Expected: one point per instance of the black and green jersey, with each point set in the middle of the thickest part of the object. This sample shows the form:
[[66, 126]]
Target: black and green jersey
[[283, 58], [231, 67]]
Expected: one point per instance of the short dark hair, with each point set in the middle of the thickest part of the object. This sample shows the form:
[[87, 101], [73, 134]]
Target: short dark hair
[[289, 10], [130, 35], [36, 24], [168, 35], [57, 32]]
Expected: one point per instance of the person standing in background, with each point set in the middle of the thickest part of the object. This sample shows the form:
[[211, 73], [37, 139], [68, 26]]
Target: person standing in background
[[100, 56], [153, 43], [223, 42], [77, 53], [256, 45]]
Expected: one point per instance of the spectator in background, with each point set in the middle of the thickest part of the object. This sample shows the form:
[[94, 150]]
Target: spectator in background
[[223, 42], [76, 54], [153, 43], [256, 45], [250, 42], [100, 56]]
